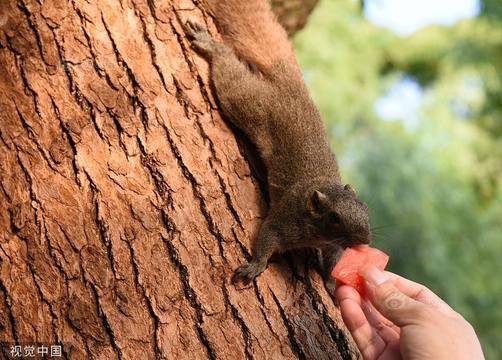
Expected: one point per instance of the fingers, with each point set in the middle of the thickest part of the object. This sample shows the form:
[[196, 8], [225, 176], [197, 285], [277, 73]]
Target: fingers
[[385, 329], [404, 303], [354, 317], [394, 297], [414, 290], [371, 332], [374, 318], [394, 302]]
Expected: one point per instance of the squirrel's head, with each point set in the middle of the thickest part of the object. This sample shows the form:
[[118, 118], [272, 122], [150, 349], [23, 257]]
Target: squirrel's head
[[339, 216]]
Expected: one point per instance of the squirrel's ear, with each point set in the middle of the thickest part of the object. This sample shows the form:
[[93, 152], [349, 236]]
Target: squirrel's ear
[[348, 187], [318, 201]]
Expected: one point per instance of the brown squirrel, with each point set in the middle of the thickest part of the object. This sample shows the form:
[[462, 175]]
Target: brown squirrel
[[260, 89]]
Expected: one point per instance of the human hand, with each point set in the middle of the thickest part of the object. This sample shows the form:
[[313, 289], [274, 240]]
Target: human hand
[[403, 319]]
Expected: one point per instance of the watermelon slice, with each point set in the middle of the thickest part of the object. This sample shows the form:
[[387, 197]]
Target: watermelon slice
[[353, 260]]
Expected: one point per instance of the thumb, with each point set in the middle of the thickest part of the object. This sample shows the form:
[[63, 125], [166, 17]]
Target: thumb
[[388, 299]]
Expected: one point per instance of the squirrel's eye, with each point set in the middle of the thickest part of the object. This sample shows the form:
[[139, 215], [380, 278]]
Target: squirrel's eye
[[334, 218]]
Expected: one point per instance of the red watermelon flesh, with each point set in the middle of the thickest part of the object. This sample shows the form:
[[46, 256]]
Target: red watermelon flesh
[[353, 260]]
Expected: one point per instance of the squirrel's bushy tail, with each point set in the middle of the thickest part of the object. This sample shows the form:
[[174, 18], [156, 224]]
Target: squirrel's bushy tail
[[252, 30]]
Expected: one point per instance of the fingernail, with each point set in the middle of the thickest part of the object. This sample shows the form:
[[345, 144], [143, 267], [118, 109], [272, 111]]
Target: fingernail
[[374, 275]]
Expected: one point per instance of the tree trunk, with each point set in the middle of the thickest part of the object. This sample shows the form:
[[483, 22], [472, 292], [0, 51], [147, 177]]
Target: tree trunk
[[125, 202]]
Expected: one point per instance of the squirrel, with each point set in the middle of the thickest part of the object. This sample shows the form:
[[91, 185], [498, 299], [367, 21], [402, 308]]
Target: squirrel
[[260, 89]]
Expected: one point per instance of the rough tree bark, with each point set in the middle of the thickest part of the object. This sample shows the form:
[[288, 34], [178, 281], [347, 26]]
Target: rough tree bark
[[125, 202]]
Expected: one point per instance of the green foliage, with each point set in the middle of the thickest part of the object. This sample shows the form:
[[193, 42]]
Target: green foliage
[[491, 9], [471, 49], [434, 189]]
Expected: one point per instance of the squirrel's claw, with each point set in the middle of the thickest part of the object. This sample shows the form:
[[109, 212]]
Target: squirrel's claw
[[193, 29], [202, 41], [247, 272]]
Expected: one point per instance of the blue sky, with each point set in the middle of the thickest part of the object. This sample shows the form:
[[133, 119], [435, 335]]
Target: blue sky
[[406, 16], [403, 100]]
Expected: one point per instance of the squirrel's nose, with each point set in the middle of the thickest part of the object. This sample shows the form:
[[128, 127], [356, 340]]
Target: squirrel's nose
[[361, 239]]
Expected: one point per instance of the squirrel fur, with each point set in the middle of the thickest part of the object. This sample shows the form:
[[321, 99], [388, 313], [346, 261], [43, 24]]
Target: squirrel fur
[[260, 89]]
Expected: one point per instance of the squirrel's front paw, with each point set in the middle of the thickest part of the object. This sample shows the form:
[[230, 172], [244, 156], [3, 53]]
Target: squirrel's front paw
[[247, 272], [202, 41]]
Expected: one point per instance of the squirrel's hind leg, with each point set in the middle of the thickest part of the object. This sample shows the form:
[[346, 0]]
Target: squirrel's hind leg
[[244, 96]]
